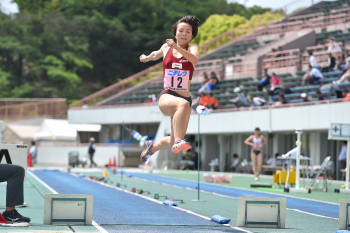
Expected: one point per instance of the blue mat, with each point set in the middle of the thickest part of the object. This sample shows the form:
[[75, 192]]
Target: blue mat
[[112, 206], [311, 206]]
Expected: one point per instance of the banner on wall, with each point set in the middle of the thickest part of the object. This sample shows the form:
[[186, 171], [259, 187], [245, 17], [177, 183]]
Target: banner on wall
[[14, 154]]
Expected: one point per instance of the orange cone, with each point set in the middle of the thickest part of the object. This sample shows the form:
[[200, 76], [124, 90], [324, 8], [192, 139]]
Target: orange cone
[[114, 161], [30, 162], [110, 162]]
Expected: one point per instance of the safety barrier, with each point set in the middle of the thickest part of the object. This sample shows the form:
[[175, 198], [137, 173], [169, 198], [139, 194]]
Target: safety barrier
[[116, 88], [27, 108], [321, 58], [286, 61], [238, 69], [305, 17], [208, 66]]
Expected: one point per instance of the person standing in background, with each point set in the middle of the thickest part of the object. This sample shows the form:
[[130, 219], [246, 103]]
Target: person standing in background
[[92, 149], [205, 76], [333, 47], [311, 76], [265, 80], [213, 80], [273, 161], [319, 95], [346, 72], [256, 141], [213, 102], [312, 59], [275, 80], [32, 152], [330, 63], [194, 159], [342, 155], [346, 95], [281, 100], [304, 97], [240, 100]]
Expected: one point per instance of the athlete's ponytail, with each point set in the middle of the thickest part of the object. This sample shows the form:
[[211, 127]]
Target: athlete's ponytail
[[191, 20]]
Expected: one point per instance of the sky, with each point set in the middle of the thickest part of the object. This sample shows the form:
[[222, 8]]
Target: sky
[[276, 4], [8, 7], [265, 3]]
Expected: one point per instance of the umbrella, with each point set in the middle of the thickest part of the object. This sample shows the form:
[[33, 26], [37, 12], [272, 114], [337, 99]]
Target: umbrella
[[330, 87], [204, 89], [137, 136]]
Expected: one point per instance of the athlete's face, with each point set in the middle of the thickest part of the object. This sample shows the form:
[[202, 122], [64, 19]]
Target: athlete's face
[[183, 33]]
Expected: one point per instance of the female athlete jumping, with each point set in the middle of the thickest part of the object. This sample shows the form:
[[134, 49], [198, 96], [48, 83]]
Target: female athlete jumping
[[258, 142], [175, 100]]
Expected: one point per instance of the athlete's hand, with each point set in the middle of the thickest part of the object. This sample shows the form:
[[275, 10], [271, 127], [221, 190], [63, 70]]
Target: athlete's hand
[[143, 58], [171, 43]]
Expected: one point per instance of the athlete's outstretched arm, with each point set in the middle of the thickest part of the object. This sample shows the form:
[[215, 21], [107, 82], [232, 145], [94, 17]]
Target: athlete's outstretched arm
[[192, 55], [155, 55]]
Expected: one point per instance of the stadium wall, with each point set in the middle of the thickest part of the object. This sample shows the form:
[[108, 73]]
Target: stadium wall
[[58, 154], [306, 117], [224, 132]]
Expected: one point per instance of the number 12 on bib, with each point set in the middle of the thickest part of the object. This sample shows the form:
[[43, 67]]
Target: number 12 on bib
[[176, 80]]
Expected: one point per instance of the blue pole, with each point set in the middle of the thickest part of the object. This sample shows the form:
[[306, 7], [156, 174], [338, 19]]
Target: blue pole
[[122, 150], [198, 151]]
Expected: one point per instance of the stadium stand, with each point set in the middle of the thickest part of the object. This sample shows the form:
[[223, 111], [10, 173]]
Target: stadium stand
[[234, 63]]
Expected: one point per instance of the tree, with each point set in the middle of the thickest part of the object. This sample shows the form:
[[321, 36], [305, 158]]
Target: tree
[[70, 48]]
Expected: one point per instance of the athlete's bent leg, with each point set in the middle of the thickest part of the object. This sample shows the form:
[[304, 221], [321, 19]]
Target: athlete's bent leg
[[180, 110], [181, 119], [166, 142]]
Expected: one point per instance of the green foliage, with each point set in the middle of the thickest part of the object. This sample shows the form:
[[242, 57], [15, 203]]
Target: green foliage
[[71, 48], [39, 6], [4, 80], [297, 10], [216, 25]]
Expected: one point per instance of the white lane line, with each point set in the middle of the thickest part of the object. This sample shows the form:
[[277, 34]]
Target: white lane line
[[54, 192], [42, 182], [160, 202], [244, 189], [222, 195], [99, 227], [312, 214]]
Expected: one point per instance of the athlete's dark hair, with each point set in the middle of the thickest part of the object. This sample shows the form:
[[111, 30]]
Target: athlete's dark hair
[[257, 129], [191, 20]]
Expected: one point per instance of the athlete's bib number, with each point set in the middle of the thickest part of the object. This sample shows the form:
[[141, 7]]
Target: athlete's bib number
[[176, 80]]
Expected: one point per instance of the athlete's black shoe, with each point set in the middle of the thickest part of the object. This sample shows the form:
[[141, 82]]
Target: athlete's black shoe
[[14, 217]]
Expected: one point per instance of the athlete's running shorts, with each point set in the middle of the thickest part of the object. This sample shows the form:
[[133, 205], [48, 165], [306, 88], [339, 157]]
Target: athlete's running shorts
[[188, 99], [256, 152]]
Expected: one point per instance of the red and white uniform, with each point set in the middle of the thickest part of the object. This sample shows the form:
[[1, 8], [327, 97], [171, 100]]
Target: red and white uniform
[[176, 72]]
